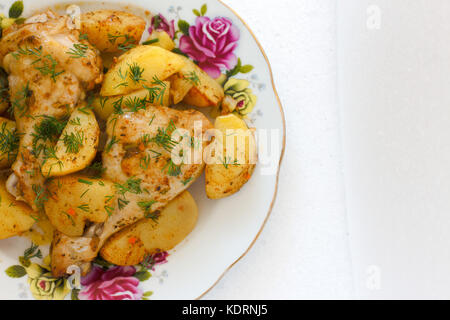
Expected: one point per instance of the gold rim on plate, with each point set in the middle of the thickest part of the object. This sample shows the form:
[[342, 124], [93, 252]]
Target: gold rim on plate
[[281, 156]]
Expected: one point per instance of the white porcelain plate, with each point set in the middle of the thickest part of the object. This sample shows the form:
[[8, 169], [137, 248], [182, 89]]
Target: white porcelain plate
[[226, 228]]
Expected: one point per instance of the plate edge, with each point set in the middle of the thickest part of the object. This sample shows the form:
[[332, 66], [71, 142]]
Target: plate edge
[[283, 118]]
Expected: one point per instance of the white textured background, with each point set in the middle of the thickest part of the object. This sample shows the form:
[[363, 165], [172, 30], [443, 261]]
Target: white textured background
[[303, 251]]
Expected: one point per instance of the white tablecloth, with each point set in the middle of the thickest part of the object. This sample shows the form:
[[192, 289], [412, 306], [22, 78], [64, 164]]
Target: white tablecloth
[[303, 251]]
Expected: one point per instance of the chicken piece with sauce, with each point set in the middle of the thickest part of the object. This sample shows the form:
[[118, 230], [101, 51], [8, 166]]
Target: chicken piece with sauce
[[50, 69], [138, 159]]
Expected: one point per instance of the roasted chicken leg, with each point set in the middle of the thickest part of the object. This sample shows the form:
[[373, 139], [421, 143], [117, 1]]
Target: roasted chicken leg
[[50, 69]]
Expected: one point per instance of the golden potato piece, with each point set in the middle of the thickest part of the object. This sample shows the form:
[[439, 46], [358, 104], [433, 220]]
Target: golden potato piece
[[139, 67], [179, 88], [206, 91], [75, 200], [112, 31], [226, 172], [41, 233], [131, 245], [160, 39], [9, 142], [155, 95], [15, 217], [77, 146]]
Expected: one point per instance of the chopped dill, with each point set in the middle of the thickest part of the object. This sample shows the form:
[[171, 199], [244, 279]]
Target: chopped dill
[[136, 73], [9, 143], [78, 51], [111, 143], [73, 142], [146, 206], [84, 207], [127, 43], [173, 170], [132, 185], [90, 183], [192, 77]]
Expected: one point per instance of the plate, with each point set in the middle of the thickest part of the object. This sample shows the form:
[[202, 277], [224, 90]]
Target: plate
[[226, 229]]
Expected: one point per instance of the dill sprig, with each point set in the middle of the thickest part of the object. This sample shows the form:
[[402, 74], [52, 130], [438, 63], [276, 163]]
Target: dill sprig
[[227, 161], [192, 77], [173, 170], [127, 43], [73, 142], [103, 101], [9, 143], [164, 139], [111, 143], [135, 104], [41, 196], [32, 52], [78, 51], [49, 67], [144, 162], [122, 76], [20, 101], [49, 129], [146, 206], [122, 203], [84, 207], [157, 92], [49, 64], [75, 122], [132, 185], [136, 73], [89, 183], [30, 253]]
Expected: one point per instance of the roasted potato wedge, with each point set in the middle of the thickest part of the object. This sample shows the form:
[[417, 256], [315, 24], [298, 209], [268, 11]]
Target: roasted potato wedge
[[161, 39], [41, 233], [77, 146], [75, 200], [225, 175], [206, 92], [156, 95], [175, 222], [9, 143], [15, 217], [179, 88], [112, 31], [139, 67]]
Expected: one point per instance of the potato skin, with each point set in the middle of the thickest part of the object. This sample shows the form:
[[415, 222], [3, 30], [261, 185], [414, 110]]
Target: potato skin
[[67, 197], [131, 245], [15, 216], [100, 25], [223, 177]]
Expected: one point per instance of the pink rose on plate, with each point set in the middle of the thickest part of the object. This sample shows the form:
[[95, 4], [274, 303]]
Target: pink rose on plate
[[212, 43], [160, 23], [116, 283]]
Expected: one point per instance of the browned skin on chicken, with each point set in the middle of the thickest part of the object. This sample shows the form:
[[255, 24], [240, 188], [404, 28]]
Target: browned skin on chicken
[[140, 162], [44, 79]]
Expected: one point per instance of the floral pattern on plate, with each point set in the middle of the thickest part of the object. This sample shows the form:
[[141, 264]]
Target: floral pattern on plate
[[211, 43]]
